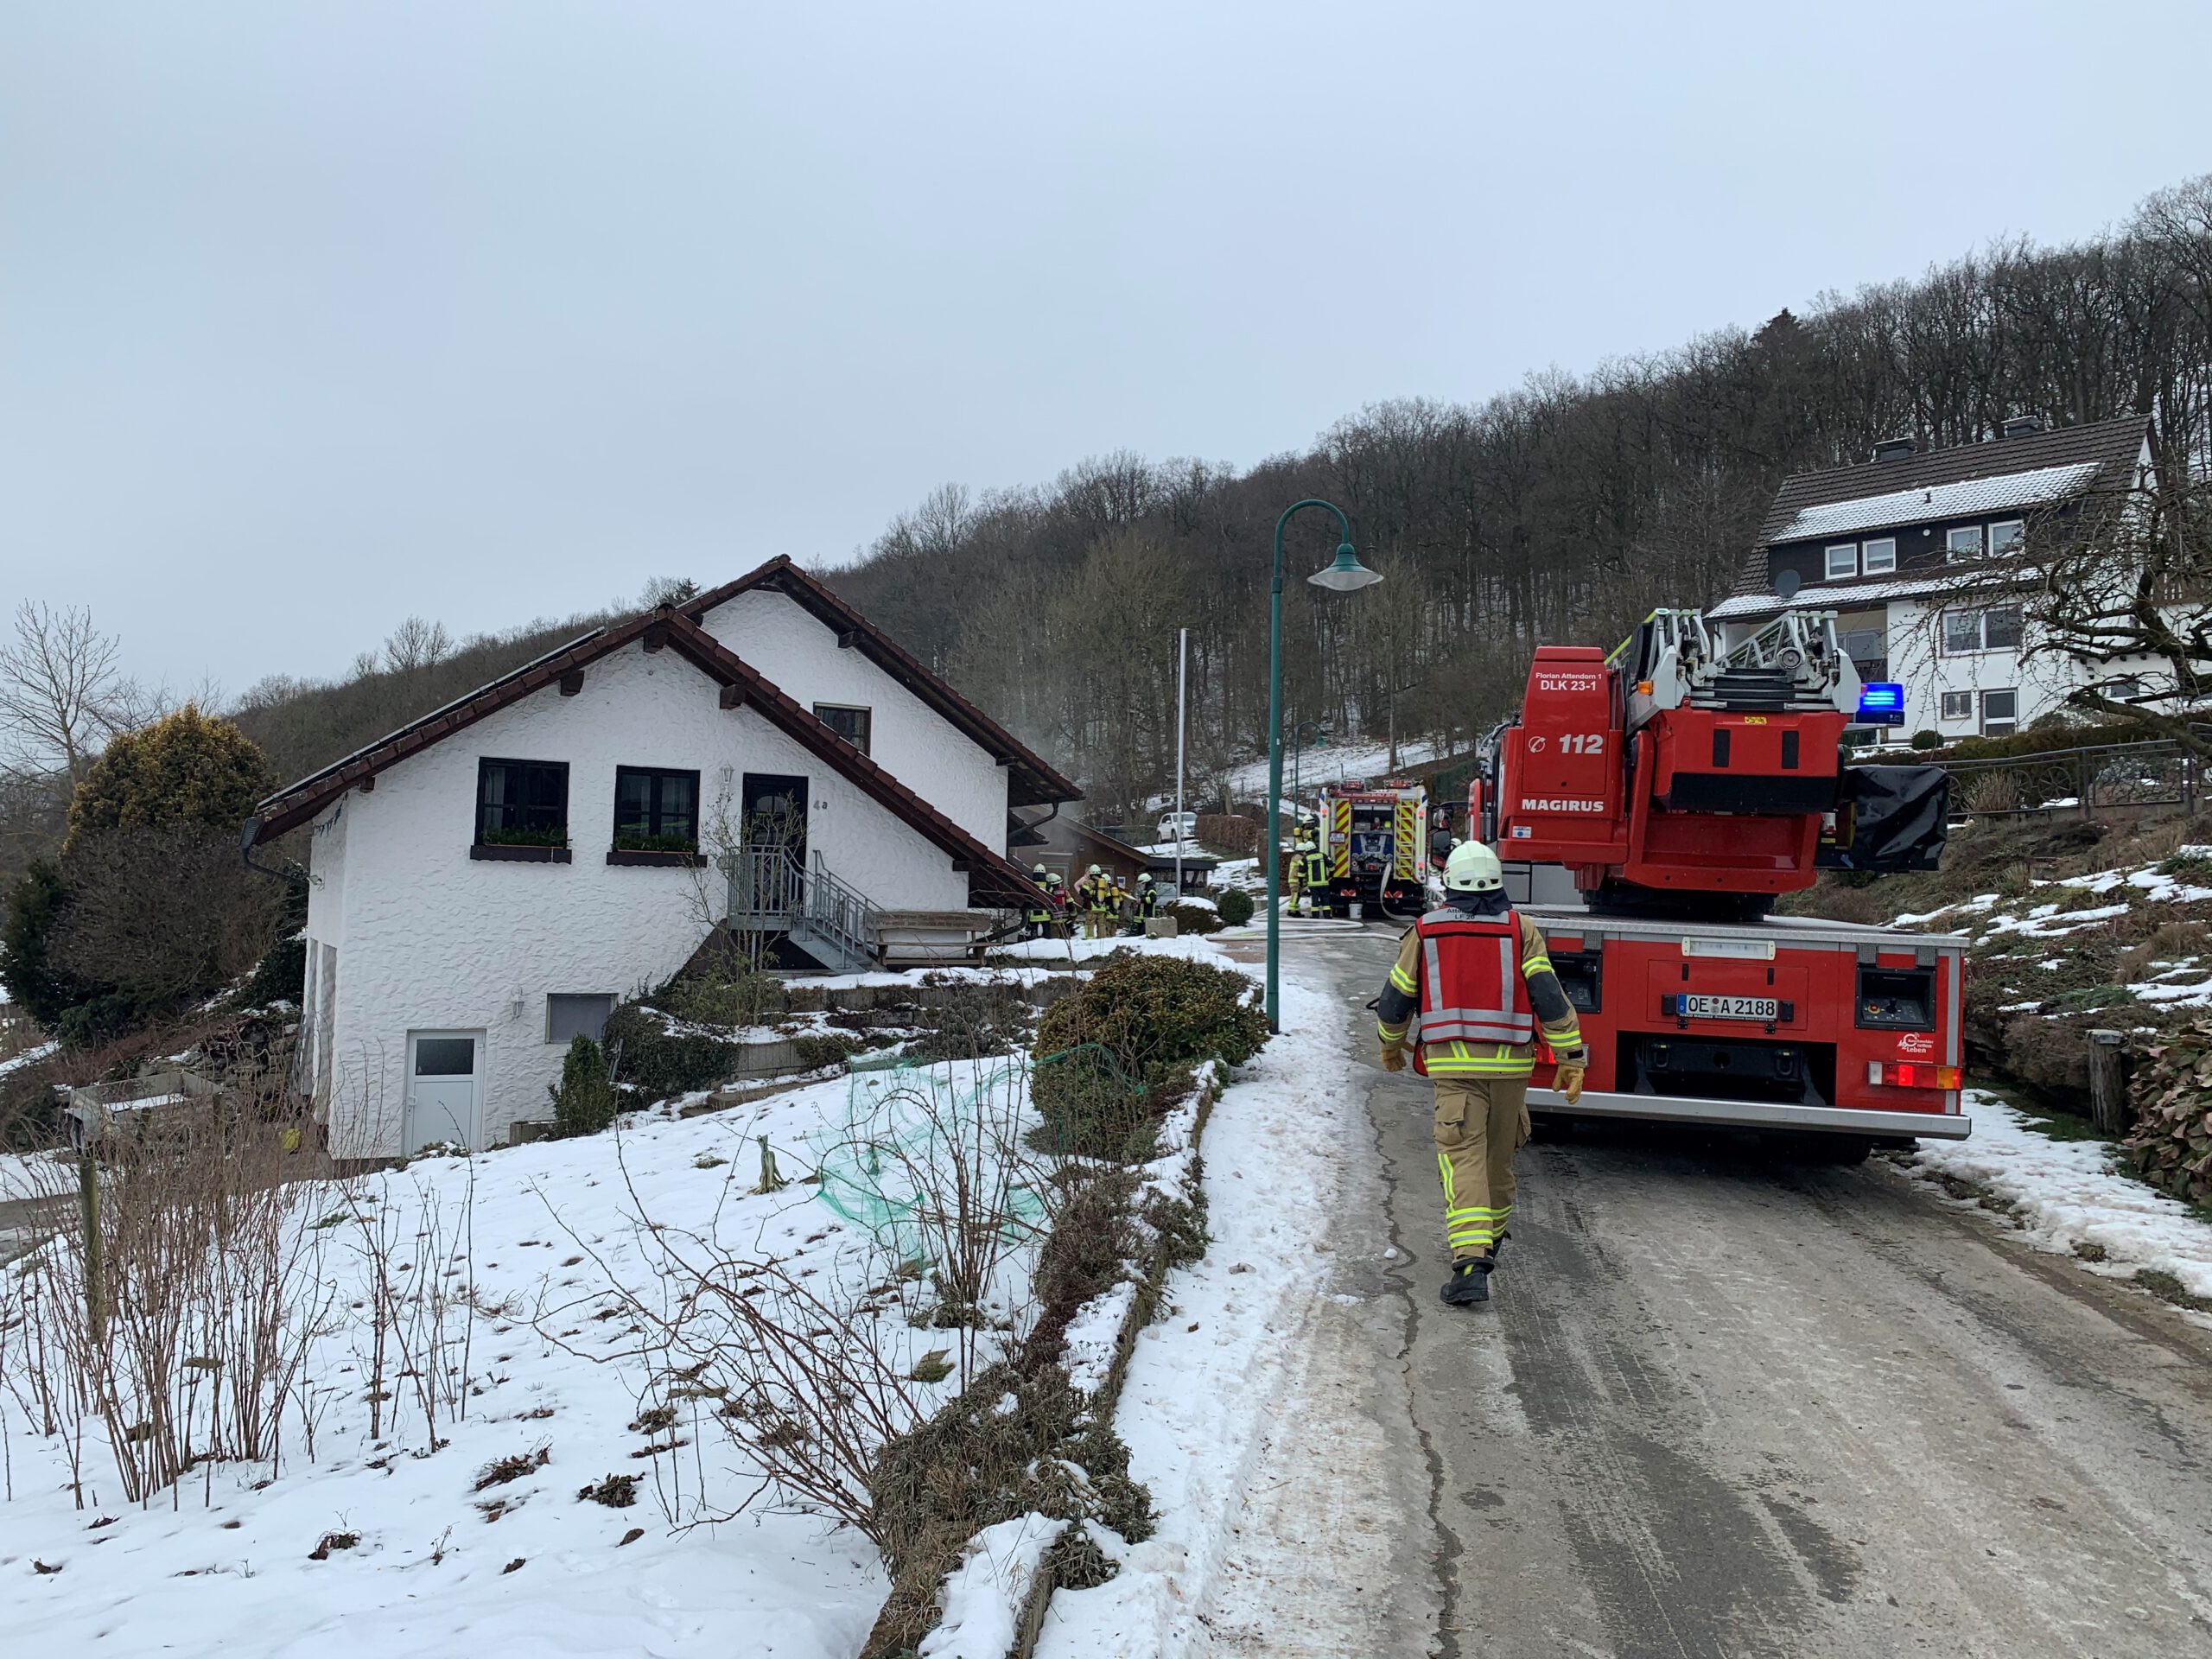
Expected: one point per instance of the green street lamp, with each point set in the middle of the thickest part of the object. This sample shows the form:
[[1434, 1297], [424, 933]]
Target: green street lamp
[[1346, 574]]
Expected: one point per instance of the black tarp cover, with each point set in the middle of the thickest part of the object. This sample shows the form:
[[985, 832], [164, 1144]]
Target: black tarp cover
[[1888, 818]]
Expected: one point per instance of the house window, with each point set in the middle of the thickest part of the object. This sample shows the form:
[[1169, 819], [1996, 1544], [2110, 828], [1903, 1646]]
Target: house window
[[1958, 705], [1879, 556], [2000, 712], [848, 721], [1964, 544], [569, 1015], [522, 803], [2007, 536], [656, 811], [1843, 560], [1965, 631]]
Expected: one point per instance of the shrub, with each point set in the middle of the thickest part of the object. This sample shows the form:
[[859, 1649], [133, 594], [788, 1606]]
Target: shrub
[[281, 976], [1235, 906], [34, 982], [646, 1055], [583, 1101], [725, 996], [1927, 740], [1195, 918], [187, 767], [1137, 1024]]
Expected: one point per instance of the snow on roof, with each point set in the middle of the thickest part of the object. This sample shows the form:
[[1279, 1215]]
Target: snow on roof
[[2038, 487], [1831, 596]]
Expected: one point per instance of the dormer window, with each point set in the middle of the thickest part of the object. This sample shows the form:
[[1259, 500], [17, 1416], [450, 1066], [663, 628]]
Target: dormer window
[[1964, 542], [2008, 536], [1879, 556], [1843, 561]]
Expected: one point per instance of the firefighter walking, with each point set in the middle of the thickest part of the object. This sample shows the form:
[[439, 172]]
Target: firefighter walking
[[1476, 973]]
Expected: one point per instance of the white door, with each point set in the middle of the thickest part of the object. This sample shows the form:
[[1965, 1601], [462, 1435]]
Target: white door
[[445, 1073]]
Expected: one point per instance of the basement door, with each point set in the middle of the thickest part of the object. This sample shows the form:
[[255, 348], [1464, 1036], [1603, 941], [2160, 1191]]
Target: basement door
[[445, 1095]]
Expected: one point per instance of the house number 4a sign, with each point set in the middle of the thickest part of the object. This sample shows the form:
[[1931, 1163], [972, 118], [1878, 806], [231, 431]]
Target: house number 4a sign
[[1583, 743]]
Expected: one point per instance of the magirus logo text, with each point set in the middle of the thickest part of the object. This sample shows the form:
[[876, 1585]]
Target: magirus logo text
[[1560, 804]]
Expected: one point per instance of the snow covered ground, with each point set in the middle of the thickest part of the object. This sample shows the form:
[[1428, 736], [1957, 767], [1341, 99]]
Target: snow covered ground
[[1327, 765], [1201, 1377], [2067, 1194], [222, 1565]]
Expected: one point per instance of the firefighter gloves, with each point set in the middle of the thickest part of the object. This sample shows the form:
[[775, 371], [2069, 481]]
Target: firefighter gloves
[[1394, 1058], [1569, 1081]]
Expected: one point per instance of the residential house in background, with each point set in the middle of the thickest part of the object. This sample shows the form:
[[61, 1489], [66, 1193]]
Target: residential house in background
[[487, 880], [1921, 555]]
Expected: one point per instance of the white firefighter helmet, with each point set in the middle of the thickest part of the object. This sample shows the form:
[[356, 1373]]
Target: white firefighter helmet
[[1472, 868], [1094, 870], [1041, 870]]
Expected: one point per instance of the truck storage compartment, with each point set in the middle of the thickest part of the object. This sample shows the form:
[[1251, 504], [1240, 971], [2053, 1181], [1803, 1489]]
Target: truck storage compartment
[[1740, 1068]]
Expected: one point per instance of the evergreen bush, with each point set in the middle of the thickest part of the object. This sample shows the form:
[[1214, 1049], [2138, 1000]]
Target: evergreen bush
[[645, 1054], [583, 1101], [728, 996], [187, 767], [1235, 906], [1138, 1025], [1195, 918]]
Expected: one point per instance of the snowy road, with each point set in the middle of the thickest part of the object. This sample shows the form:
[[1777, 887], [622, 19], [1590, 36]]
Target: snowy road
[[1720, 1406]]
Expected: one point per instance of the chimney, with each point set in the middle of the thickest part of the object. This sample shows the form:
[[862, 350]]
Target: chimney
[[2021, 426], [1893, 449]]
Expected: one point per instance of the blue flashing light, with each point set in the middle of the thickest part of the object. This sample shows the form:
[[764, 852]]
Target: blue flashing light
[[1881, 702]]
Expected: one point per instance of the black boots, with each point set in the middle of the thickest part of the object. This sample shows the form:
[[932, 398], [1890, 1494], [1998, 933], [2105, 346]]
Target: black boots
[[1469, 1283]]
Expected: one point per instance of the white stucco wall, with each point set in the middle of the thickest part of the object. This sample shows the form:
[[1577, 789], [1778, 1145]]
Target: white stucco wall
[[2042, 678], [908, 738], [430, 939]]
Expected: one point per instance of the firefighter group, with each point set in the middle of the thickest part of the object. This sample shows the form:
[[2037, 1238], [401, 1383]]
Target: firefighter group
[[1103, 905]]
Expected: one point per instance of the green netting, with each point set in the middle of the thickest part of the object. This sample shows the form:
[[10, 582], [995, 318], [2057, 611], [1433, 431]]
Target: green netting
[[926, 1150]]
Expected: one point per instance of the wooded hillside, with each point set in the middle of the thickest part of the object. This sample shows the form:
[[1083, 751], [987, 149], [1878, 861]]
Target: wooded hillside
[[1561, 511]]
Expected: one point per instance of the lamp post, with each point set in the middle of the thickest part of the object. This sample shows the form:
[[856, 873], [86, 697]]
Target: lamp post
[[1344, 575], [1298, 742]]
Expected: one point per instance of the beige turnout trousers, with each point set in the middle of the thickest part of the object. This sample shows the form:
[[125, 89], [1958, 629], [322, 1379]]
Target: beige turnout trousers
[[1480, 1123]]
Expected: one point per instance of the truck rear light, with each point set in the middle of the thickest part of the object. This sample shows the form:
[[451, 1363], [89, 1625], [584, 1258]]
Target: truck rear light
[[1911, 1074]]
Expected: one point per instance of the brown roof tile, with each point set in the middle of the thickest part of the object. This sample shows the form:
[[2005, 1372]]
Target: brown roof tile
[[1034, 782], [991, 879], [2112, 445]]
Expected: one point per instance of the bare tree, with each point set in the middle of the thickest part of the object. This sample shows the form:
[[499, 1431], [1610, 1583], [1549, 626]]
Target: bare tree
[[61, 693], [417, 643], [667, 590], [2126, 597]]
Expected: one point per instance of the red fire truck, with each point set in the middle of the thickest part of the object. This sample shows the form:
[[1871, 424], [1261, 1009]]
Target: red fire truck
[[1673, 790], [1375, 838]]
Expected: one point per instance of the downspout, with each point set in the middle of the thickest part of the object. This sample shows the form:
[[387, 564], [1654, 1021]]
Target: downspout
[[248, 838]]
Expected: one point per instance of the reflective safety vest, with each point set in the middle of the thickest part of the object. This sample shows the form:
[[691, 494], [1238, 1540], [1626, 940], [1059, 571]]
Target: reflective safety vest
[[1474, 1003], [1317, 870]]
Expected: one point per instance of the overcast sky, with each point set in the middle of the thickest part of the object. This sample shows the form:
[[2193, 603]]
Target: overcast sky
[[315, 314]]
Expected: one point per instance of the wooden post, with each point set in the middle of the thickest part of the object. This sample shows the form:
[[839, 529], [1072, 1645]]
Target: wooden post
[[2108, 1081], [88, 1198]]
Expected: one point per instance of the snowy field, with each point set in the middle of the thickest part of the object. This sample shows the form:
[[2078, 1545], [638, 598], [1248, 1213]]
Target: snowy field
[[2067, 1193], [222, 1565], [559, 1235]]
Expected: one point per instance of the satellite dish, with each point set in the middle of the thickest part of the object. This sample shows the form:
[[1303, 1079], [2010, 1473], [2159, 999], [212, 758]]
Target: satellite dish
[[1786, 582]]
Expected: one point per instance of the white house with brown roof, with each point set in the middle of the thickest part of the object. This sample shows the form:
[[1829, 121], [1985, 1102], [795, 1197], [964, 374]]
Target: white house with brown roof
[[1924, 556], [487, 880]]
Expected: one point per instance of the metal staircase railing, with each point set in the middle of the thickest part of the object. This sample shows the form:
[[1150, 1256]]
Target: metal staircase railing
[[771, 892]]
